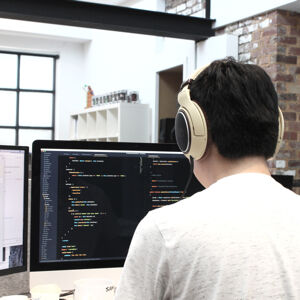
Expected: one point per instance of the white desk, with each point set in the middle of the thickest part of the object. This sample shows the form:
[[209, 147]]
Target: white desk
[[65, 279]]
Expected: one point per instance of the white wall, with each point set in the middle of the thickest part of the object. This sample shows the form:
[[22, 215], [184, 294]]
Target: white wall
[[70, 80], [109, 60], [43, 30], [115, 61], [106, 60], [217, 47], [69, 93], [226, 12]]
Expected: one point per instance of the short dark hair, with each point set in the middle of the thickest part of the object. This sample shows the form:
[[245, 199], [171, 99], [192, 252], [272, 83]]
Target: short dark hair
[[241, 106]]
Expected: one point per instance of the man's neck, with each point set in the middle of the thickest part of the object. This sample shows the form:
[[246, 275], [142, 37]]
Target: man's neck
[[214, 167]]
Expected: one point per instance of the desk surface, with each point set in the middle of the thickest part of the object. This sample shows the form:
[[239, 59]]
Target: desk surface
[[65, 279]]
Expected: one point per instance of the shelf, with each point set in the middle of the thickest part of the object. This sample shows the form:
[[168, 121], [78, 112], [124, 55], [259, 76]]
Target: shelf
[[82, 126], [112, 122], [121, 122], [91, 124], [101, 123]]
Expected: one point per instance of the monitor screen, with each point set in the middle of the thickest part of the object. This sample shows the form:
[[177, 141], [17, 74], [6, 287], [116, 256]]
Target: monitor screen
[[88, 197], [13, 209], [285, 180]]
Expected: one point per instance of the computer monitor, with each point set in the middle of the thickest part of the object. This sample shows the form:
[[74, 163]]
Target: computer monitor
[[13, 209], [88, 197], [285, 180]]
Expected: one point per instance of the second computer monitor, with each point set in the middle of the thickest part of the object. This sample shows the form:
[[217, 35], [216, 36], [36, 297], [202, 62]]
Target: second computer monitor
[[13, 209]]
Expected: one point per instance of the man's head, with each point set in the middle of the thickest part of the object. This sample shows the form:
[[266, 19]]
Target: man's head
[[240, 106]]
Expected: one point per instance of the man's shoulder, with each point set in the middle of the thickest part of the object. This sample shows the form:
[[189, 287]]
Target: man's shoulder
[[176, 216], [180, 206]]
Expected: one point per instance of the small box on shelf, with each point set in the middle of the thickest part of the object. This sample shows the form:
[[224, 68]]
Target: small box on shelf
[[122, 96]]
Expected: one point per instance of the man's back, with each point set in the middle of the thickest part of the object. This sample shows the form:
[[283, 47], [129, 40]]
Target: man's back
[[238, 239]]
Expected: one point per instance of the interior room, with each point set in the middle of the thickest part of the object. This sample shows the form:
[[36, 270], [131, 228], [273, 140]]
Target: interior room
[[110, 71]]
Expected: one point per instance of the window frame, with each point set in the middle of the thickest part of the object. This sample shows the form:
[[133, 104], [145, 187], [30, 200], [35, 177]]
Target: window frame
[[19, 90]]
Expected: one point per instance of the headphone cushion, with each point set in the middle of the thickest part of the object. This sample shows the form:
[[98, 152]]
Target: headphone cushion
[[182, 131]]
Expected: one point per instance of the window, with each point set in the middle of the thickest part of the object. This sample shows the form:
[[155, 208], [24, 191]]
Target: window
[[27, 97]]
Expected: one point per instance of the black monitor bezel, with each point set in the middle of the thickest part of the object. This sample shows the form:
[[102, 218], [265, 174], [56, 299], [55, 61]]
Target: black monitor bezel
[[35, 265], [23, 268]]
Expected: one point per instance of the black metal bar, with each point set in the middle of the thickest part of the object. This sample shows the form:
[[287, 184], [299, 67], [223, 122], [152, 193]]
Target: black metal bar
[[28, 53], [207, 9], [108, 17], [26, 90], [26, 127], [53, 98], [36, 127], [18, 100], [7, 127], [8, 89]]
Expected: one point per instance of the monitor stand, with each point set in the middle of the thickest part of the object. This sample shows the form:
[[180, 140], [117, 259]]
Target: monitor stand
[[65, 278]]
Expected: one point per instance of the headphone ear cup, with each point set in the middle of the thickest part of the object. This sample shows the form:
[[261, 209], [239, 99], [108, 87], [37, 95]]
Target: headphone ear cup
[[191, 130], [190, 123], [182, 131]]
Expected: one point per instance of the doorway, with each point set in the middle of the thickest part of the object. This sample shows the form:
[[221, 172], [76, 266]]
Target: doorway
[[169, 84]]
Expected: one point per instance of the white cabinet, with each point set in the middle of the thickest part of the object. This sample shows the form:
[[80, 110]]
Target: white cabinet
[[119, 122]]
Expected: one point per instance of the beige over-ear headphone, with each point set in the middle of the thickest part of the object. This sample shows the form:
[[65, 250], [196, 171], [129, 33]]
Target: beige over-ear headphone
[[190, 124]]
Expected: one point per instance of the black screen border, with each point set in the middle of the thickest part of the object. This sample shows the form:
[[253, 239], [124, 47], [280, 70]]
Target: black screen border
[[35, 265], [23, 268]]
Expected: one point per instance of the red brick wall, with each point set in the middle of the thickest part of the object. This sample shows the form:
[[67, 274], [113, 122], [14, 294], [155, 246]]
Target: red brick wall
[[186, 7], [287, 81]]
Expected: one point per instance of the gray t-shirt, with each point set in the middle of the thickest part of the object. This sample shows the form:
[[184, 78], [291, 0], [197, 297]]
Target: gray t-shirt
[[238, 239]]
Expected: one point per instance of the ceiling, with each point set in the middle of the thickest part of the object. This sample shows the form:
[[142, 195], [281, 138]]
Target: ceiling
[[293, 6]]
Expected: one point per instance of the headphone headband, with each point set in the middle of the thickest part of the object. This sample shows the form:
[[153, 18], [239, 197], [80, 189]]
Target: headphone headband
[[280, 132]]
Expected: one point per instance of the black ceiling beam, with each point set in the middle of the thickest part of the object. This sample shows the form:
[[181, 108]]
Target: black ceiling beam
[[107, 17]]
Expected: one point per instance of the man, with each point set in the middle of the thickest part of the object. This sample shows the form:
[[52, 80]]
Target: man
[[239, 238]]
